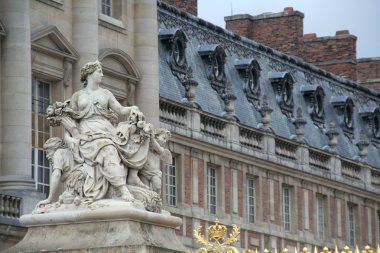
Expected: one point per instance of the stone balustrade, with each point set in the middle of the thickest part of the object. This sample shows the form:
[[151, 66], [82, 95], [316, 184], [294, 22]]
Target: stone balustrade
[[196, 124], [9, 206]]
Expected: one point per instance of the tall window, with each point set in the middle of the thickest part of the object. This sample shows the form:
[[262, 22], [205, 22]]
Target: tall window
[[320, 218], [171, 184], [211, 190], [286, 208], [351, 225], [251, 200], [107, 7], [40, 133]]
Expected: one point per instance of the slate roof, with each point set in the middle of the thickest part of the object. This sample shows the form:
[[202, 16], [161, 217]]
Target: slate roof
[[203, 35]]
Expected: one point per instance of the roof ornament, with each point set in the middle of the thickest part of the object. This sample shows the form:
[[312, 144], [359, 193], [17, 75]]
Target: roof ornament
[[265, 112], [362, 145], [332, 134], [299, 122]]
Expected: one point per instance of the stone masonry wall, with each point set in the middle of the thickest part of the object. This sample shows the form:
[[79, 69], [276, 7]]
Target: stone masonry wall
[[189, 6], [368, 72], [285, 29]]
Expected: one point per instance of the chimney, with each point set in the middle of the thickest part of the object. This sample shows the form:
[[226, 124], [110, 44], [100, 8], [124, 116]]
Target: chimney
[[336, 54], [282, 31], [190, 6]]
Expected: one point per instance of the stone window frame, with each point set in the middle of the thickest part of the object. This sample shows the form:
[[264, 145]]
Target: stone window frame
[[351, 223], [283, 84], [249, 71], [171, 170], [345, 108], [320, 217], [211, 196], [371, 119], [314, 96], [59, 4], [286, 212], [251, 216], [115, 19], [175, 41], [40, 165], [214, 57], [52, 58], [131, 74]]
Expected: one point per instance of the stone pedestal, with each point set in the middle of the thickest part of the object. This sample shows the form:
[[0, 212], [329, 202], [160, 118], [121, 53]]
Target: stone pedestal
[[106, 229]]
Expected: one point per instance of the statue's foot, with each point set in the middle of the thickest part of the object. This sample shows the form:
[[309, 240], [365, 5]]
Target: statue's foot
[[136, 181], [125, 194]]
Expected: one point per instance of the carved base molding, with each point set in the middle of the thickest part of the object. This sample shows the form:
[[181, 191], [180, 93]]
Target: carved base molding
[[107, 229]]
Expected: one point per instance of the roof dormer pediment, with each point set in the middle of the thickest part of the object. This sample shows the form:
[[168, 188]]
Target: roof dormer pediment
[[50, 40]]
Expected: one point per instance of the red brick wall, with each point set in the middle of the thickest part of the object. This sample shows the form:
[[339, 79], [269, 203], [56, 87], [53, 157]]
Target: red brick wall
[[332, 222], [265, 206], [187, 6], [240, 26], [337, 48], [240, 194], [363, 224], [347, 70], [300, 203], [368, 70], [277, 203], [311, 211], [227, 189], [374, 226], [189, 227], [281, 31], [201, 183], [187, 165]]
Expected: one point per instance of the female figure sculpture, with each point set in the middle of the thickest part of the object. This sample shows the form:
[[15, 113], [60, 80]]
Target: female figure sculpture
[[102, 148]]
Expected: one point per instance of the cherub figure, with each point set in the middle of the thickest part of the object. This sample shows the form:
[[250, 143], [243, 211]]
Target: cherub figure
[[151, 171], [62, 162]]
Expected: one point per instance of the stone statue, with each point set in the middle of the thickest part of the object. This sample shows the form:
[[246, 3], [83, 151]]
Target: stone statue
[[99, 157]]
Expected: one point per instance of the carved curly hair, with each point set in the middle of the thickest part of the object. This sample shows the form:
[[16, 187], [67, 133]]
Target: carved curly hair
[[88, 69]]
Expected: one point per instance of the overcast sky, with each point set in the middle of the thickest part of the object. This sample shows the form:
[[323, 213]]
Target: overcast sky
[[323, 17]]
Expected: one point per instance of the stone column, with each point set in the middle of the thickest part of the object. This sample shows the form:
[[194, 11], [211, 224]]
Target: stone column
[[16, 95], [146, 58], [85, 35]]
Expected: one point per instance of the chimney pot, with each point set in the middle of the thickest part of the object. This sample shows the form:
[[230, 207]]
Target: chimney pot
[[310, 36], [342, 32], [288, 9]]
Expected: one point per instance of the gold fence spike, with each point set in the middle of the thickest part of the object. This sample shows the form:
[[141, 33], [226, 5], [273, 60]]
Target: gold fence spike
[[315, 249], [275, 250], [285, 250], [336, 249], [378, 249], [295, 250], [305, 250], [325, 250], [266, 251], [256, 251], [357, 249]]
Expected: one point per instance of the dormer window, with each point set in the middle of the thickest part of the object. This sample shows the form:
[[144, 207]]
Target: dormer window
[[175, 42], [249, 71], [178, 52], [344, 106], [283, 85], [214, 58], [371, 119], [314, 96]]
